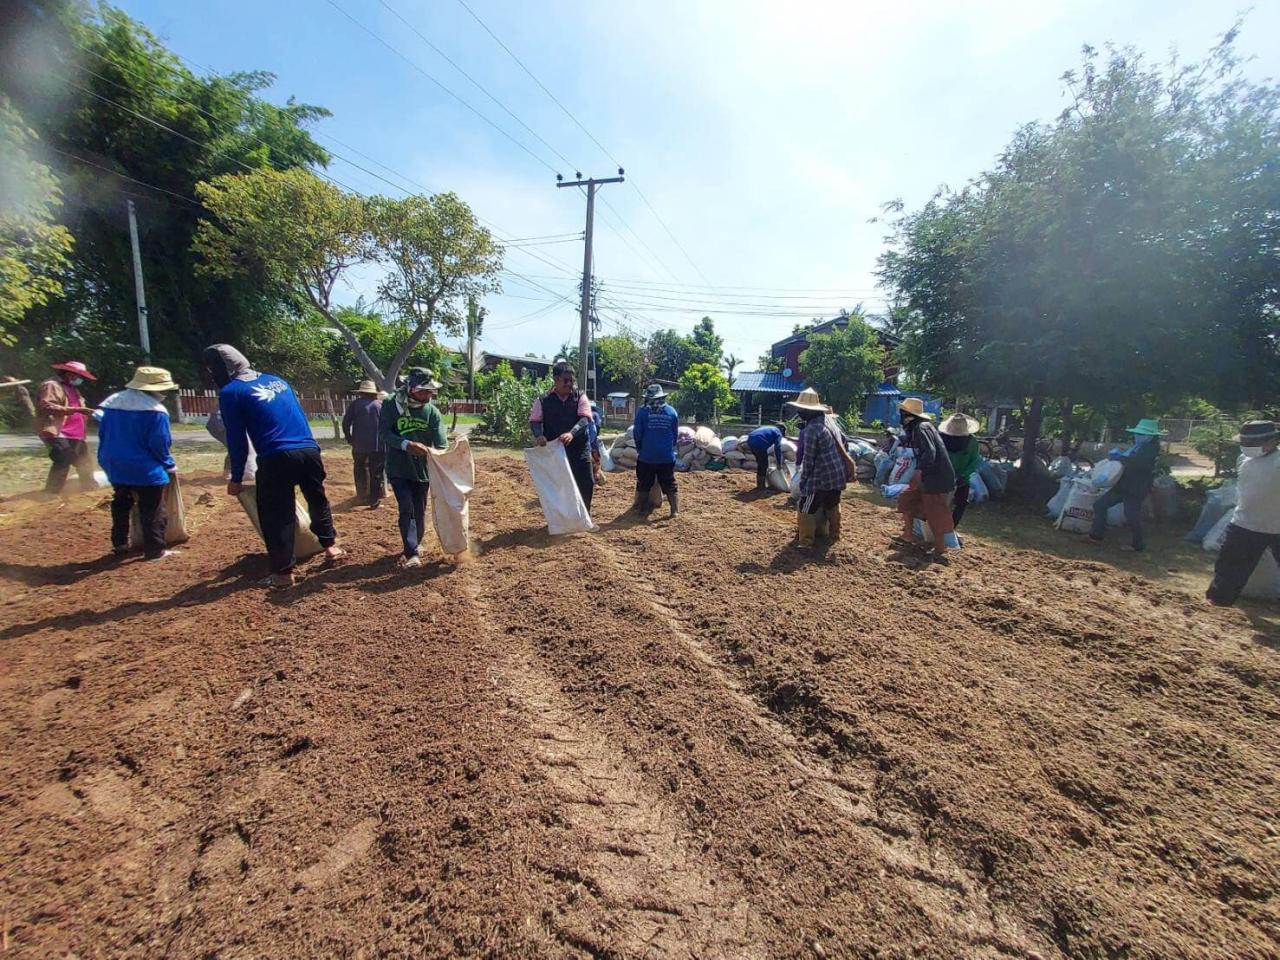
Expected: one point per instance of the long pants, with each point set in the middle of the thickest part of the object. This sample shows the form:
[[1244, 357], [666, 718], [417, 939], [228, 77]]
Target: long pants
[[278, 476], [370, 474], [961, 502], [663, 473], [65, 454], [1132, 515], [584, 476], [762, 467], [411, 498], [1240, 553], [811, 503], [151, 508], [930, 507]]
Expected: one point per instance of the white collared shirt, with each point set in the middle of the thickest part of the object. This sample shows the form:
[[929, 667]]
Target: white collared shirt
[[1259, 486]]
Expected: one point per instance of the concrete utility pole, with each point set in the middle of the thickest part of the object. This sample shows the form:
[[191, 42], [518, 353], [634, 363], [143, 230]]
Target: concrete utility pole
[[144, 334], [584, 332]]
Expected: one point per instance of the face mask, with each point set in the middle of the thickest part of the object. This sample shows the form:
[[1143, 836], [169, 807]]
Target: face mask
[[1252, 452], [76, 381]]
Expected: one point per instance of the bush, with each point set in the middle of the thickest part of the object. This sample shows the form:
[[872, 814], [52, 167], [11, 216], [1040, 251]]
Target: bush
[[506, 415], [1216, 440], [703, 392]]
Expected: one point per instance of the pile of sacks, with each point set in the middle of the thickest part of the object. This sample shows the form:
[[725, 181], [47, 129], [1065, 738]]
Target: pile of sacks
[[1211, 528], [1071, 508], [695, 450], [893, 470], [738, 454]]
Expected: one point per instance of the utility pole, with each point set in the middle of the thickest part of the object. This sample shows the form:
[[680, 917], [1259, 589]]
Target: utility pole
[[591, 183], [144, 334]]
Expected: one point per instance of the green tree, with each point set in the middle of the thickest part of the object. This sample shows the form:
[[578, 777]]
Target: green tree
[[487, 382], [33, 248], [437, 257], [506, 415], [671, 353], [121, 118], [624, 357], [731, 363], [475, 327], [703, 392], [709, 346], [845, 364]]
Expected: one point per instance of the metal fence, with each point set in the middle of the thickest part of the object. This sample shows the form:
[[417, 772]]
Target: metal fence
[[1178, 430], [196, 405]]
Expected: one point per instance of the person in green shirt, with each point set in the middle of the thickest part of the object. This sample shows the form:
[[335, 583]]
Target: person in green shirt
[[962, 450], [410, 424]]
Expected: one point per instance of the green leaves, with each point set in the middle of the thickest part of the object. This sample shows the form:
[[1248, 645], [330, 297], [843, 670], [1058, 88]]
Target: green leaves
[[703, 391], [844, 364]]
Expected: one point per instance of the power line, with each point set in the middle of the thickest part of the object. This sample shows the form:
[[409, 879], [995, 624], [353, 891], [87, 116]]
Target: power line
[[122, 176]]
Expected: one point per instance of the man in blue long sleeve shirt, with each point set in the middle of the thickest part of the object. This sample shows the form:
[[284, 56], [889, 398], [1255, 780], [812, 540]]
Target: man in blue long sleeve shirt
[[262, 408], [760, 441], [656, 428]]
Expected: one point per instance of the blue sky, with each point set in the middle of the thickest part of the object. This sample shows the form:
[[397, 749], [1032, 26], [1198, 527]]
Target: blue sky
[[766, 134]]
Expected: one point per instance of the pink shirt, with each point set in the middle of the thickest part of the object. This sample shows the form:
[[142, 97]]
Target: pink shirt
[[73, 426]]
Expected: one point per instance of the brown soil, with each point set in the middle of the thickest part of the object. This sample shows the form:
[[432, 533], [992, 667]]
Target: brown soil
[[667, 739]]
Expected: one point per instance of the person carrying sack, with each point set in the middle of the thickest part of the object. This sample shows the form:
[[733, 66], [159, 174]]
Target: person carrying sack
[[931, 483], [135, 451], [1133, 487], [261, 409], [760, 441], [410, 425], [962, 448], [563, 414], [60, 425], [361, 426], [826, 470], [1254, 527], [656, 429]]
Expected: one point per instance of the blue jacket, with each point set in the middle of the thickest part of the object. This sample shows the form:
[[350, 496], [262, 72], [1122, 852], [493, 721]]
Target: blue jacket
[[762, 438], [267, 410], [134, 440], [655, 434]]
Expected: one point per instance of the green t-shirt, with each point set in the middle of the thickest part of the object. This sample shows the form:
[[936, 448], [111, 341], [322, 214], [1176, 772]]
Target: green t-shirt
[[399, 424]]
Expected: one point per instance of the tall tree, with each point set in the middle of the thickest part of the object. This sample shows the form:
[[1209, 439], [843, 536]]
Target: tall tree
[[624, 357], [703, 391], [731, 363], [672, 353], [475, 326], [708, 344], [845, 364]]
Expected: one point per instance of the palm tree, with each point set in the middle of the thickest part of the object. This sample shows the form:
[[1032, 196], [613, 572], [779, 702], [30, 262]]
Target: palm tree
[[730, 363]]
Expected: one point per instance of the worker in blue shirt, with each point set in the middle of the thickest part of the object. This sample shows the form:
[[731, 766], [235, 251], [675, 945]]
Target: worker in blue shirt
[[656, 428], [263, 409], [760, 441]]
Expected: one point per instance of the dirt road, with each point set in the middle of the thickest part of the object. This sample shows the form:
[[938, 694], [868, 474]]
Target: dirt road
[[674, 739]]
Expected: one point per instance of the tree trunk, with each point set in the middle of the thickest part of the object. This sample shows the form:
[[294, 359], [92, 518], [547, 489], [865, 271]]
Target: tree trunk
[[1030, 436], [1065, 413], [361, 355], [408, 347]]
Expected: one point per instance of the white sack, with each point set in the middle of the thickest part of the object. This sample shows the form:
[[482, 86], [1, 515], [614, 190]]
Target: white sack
[[728, 445], [780, 479], [561, 502], [175, 530], [452, 473], [705, 438], [978, 492], [305, 543], [788, 450]]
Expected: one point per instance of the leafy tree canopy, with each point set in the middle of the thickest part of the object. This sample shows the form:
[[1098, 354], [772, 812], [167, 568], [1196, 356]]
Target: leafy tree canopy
[[703, 392], [845, 364]]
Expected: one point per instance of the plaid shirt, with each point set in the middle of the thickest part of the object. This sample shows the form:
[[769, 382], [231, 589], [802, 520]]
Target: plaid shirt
[[823, 466]]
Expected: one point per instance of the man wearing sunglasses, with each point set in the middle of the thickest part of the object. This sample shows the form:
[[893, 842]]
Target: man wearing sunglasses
[[562, 415]]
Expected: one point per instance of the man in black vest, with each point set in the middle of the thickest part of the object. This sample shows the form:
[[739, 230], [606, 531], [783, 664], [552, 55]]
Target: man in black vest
[[563, 415]]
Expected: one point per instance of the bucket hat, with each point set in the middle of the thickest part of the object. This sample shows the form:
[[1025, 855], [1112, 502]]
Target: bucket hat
[[1255, 432], [421, 378], [915, 407], [654, 392], [959, 425], [366, 386], [809, 400], [152, 380], [1147, 428], [74, 366]]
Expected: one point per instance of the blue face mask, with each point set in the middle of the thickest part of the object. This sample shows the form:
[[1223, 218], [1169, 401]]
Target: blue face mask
[[76, 381]]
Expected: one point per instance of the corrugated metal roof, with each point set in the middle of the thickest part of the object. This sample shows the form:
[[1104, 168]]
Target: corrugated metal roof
[[759, 381]]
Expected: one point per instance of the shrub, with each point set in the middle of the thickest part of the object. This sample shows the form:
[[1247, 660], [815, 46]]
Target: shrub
[[506, 415]]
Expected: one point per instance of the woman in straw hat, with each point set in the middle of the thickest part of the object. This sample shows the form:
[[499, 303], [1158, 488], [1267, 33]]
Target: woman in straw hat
[[932, 482], [1134, 485], [60, 423], [134, 448], [826, 470], [962, 449]]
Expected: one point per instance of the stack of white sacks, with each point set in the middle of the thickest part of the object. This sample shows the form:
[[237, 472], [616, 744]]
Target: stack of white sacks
[[738, 454], [695, 449]]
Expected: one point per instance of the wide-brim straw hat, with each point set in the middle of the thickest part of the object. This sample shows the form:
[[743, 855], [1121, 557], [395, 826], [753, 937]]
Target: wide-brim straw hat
[[1256, 431], [366, 386], [809, 400], [959, 425], [151, 380], [915, 407], [1146, 427], [74, 366]]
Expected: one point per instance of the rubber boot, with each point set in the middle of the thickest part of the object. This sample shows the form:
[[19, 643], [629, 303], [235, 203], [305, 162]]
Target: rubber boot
[[824, 523], [640, 507], [673, 499], [806, 530], [834, 522]]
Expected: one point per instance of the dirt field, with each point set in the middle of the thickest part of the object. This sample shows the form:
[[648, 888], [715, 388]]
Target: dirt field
[[676, 739]]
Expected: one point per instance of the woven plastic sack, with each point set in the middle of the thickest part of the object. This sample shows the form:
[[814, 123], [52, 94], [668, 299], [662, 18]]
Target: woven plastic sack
[[452, 473], [305, 543], [175, 530], [561, 502]]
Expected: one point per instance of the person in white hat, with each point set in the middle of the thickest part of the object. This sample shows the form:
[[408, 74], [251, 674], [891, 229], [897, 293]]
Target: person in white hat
[[931, 484], [135, 450], [368, 452], [962, 450]]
